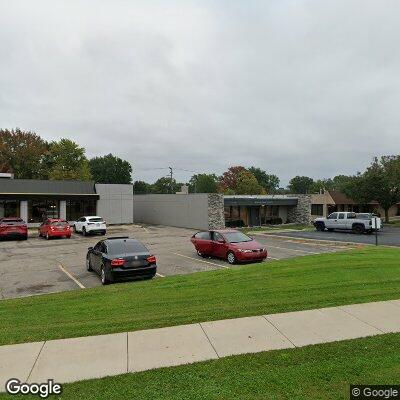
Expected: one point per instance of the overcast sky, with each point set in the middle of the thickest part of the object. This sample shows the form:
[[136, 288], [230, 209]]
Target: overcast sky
[[294, 87]]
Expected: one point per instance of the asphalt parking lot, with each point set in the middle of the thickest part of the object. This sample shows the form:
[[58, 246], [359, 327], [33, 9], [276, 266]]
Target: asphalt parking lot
[[388, 236], [38, 266]]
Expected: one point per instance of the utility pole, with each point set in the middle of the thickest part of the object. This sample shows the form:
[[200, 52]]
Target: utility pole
[[171, 174]]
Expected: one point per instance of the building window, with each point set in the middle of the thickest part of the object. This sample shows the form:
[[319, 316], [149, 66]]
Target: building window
[[79, 208], [317, 209], [40, 210], [9, 208]]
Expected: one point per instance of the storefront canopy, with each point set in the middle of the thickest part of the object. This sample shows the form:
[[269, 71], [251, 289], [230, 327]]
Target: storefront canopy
[[25, 189], [260, 200]]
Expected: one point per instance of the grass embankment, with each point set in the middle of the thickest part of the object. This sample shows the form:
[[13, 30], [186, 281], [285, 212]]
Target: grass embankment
[[313, 372], [355, 276]]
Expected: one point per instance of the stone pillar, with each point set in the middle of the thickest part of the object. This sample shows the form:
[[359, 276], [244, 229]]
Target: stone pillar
[[216, 217], [63, 209], [300, 214], [23, 210]]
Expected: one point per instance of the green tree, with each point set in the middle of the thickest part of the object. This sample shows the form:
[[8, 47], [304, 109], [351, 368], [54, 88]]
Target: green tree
[[68, 161], [22, 152], [228, 180], [110, 169], [164, 185], [356, 188], [203, 183], [340, 182], [300, 184], [269, 182], [321, 185], [141, 187], [248, 184], [380, 182]]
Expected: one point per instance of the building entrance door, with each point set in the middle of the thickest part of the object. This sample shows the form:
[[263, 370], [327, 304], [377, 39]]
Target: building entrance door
[[254, 216]]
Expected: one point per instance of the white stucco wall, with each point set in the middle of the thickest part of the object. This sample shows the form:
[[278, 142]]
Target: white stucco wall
[[186, 211], [116, 203]]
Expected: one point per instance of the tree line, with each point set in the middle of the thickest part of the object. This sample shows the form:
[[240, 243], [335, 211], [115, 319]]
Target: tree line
[[28, 156]]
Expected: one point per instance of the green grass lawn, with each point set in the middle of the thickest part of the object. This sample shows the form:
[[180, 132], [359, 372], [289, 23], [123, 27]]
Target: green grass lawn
[[313, 372], [355, 276], [394, 222]]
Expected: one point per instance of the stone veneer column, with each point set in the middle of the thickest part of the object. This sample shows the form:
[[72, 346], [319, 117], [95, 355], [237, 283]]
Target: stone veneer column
[[23, 210], [63, 209], [216, 217], [300, 214]]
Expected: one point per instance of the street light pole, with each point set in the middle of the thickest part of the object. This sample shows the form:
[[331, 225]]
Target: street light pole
[[171, 174]]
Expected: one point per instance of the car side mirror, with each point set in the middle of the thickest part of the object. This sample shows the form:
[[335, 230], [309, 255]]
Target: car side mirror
[[90, 248]]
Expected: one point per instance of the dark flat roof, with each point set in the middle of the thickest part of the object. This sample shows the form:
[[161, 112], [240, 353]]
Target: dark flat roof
[[260, 200], [19, 188]]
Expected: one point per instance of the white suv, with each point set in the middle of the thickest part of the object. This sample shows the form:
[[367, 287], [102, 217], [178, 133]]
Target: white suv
[[91, 224]]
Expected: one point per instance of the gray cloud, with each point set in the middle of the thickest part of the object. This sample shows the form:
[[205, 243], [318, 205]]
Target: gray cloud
[[295, 87]]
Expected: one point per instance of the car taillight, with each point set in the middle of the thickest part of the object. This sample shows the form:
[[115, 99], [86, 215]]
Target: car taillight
[[117, 262], [151, 259]]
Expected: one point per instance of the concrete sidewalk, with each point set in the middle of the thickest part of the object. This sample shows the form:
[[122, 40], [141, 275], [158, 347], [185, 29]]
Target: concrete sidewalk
[[69, 360]]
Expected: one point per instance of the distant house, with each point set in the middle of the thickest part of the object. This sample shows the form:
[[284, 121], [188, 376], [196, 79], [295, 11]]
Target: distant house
[[323, 204]]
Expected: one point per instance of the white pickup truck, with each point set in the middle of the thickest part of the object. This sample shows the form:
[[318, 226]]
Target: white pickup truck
[[358, 223]]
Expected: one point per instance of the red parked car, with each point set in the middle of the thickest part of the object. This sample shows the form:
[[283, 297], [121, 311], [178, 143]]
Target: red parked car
[[55, 228], [13, 227], [231, 245]]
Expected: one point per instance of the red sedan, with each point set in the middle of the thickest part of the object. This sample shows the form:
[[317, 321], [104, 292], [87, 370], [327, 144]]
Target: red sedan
[[13, 227], [231, 245], [54, 228]]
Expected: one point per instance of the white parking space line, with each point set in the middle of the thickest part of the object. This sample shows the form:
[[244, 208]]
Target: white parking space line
[[71, 277], [159, 275], [273, 258], [205, 262]]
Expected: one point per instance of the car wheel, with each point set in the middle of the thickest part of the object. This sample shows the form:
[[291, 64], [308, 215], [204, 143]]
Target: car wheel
[[369, 232], [104, 280], [103, 233], [88, 265], [320, 226], [330, 229], [47, 236], [201, 254], [84, 233], [358, 229], [231, 258], [68, 236]]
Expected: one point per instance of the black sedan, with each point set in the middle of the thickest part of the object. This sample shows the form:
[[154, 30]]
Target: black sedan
[[120, 258]]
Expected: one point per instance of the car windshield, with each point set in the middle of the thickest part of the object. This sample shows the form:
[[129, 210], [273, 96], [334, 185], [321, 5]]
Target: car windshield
[[125, 246], [95, 219], [237, 237], [59, 223]]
